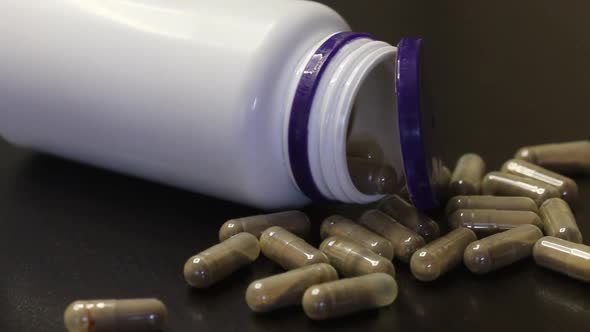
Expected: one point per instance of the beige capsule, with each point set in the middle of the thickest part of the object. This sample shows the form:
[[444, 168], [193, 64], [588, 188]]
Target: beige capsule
[[288, 250], [486, 202], [346, 296], [286, 289], [221, 260], [128, 315], [566, 186], [406, 214], [441, 179], [405, 241], [372, 177], [441, 255], [295, 222], [466, 178], [351, 259], [487, 222], [336, 225], [572, 259], [503, 184], [568, 157], [559, 221], [502, 249], [364, 148]]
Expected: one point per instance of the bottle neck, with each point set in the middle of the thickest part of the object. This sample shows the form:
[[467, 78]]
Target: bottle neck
[[345, 91]]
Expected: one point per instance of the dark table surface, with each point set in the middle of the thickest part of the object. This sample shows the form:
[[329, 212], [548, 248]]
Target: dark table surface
[[502, 75]]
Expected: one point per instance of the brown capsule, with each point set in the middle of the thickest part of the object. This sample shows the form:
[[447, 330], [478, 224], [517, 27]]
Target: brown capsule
[[466, 178], [509, 203], [503, 184], [486, 222], [568, 157], [442, 179], [566, 186], [364, 148], [288, 250], [286, 289], [572, 259], [372, 177], [131, 315], [441, 255], [502, 249], [351, 259], [405, 241], [336, 225], [406, 214], [346, 296], [295, 222], [221, 260], [559, 221]]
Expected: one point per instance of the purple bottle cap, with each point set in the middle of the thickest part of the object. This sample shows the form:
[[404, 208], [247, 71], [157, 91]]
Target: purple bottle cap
[[416, 126]]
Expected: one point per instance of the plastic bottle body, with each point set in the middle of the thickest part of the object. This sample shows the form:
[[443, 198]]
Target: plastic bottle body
[[203, 95]]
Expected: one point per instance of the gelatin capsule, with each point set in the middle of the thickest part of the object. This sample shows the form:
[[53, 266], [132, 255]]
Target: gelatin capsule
[[372, 177], [221, 260], [502, 249], [351, 259], [559, 221], [503, 184], [286, 289], [288, 250], [339, 226], [486, 222], [486, 202], [364, 148], [566, 186], [295, 222], [466, 178], [441, 255], [129, 315], [405, 241], [568, 157], [346, 296], [407, 215], [441, 184], [572, 259]]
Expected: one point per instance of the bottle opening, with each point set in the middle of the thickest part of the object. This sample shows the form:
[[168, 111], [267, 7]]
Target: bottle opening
[[372, 140]]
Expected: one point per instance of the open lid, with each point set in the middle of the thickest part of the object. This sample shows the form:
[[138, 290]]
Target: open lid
[[416, 126]]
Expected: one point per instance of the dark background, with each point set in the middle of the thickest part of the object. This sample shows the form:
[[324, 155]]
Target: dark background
[[502, 74]]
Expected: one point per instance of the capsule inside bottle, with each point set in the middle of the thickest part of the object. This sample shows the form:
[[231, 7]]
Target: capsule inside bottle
[[466, 177], [567, 188], [502, 249], [287, 288], [346, 296], [559, 221], [407, 215], [372, 177], [288, 250], [351, 259], [571, 259], [405, 242], [336, 225], [567, 157], [221, 260], [441, 255], [129, 315], [295, 222], [486, 202], [487, 222], [503, 184]]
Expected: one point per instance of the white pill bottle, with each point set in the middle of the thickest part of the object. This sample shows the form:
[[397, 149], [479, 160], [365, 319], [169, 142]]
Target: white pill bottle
[[249, 101]]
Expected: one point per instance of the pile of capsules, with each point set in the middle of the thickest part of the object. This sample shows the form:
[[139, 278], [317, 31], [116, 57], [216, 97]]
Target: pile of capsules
[[496, 219]]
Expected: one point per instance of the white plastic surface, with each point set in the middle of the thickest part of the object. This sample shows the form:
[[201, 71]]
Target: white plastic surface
[[188, 93]]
